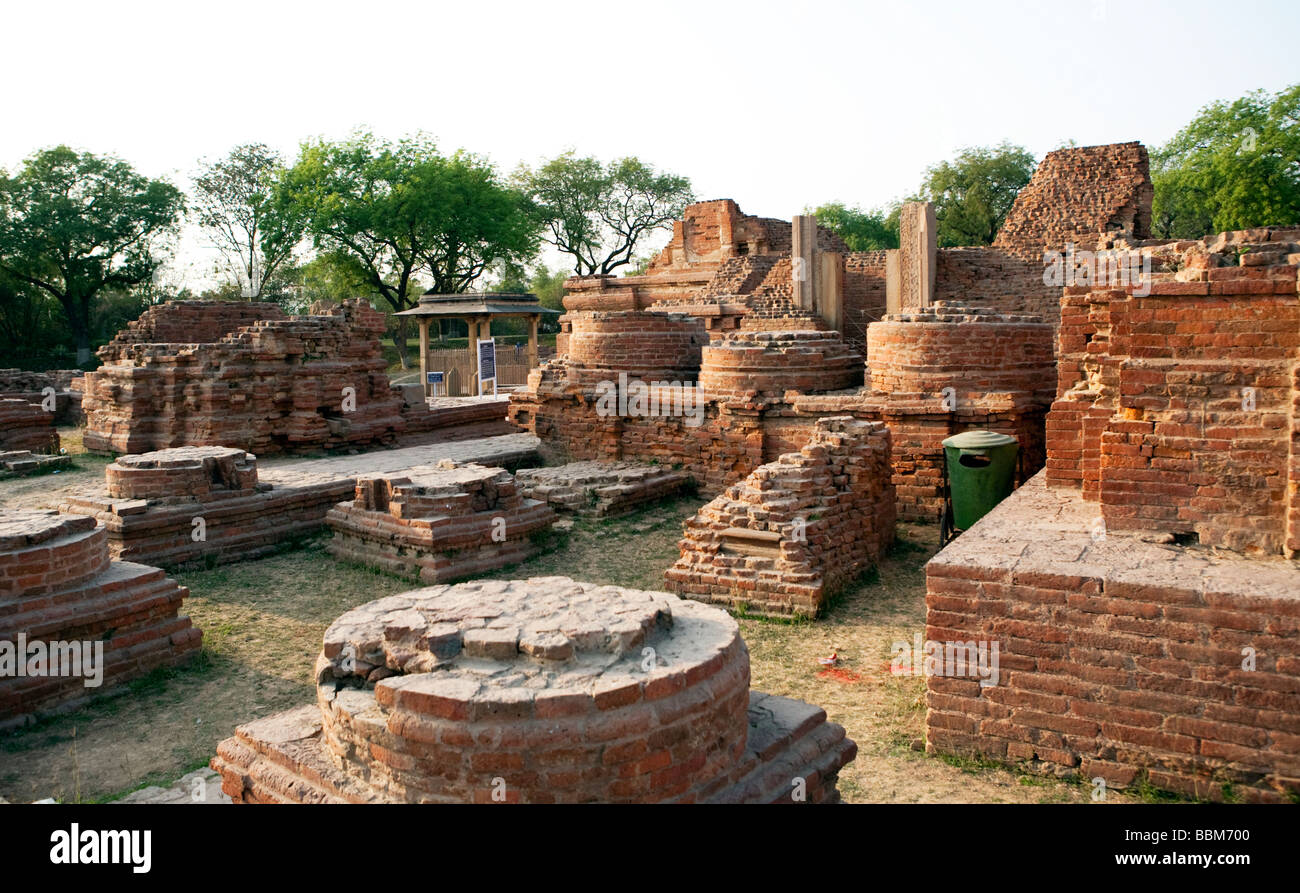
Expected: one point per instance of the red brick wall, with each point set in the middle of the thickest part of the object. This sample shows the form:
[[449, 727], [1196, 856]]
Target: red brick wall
[[1151, 417], [1114, 683], [996, 279]]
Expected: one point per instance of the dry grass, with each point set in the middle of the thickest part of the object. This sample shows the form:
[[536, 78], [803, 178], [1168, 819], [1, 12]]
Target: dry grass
[[263, 622]]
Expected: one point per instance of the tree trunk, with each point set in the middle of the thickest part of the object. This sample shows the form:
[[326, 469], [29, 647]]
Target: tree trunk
[[399, 341]]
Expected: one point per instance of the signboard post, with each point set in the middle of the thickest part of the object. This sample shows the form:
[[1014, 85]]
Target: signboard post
[[487, 364], [435, 381]]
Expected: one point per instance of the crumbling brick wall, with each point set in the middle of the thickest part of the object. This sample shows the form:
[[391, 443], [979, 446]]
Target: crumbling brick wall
[[277, 384], [1078, 195], [796, 530], [1175, 409], [436, 523]]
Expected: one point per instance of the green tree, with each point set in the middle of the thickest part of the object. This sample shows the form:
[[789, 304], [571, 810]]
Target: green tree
[[861, 230], [973, 193], [597, 213], [549, 287], [234, 203], [388, 212], [1235, 166], [75, 225]]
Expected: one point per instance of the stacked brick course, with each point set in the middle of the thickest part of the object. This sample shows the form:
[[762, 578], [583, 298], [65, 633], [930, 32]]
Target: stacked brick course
[[969, 349], [766, 358], [647, 346], [438, 523], [31, 386], [536, 691], [58, 585], [1176, 408], [796, 530], [1118, 658], [1128, 652], [203, 505], [600, 489], [242, 374], [26, 426], [1078, 195]]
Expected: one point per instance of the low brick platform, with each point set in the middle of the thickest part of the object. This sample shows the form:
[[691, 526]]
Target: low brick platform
[[58, 585], [19, 462], [791, 534], [152, 500], [437, 523], [25, 426], [537, 691], [600, 489], [1119, 658], [454, 418], [192, 505]]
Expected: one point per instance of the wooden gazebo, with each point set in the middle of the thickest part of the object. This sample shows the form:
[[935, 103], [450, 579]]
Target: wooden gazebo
[[477, 309]]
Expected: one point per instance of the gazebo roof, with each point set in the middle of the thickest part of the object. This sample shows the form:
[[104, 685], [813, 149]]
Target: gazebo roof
[[476, 304]]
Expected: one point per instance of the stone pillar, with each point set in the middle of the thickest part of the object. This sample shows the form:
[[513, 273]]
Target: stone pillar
[[893, 283], [828, 288], [803, 248], [424, 353], [532, 340], [916, 255]]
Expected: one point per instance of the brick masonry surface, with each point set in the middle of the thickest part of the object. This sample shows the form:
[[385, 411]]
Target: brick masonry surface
[[151, 500], [796, 530], [1120, 658], [536, 691], [58, 585], [1177, 408], [438, 522], [242, 375]]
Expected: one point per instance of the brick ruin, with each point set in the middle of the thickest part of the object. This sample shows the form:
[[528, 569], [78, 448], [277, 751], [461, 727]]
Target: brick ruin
[[760, 390], [536, 691], [600, 489], [246, 375], [439, 523], [26, 426], [35, 387], [62, 598], [192, 505], [1148, 621], [954, 338], [789, 536], [1177, 409]]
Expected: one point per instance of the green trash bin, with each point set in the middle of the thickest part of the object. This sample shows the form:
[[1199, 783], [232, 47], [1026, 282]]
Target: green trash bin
[[981, 468]]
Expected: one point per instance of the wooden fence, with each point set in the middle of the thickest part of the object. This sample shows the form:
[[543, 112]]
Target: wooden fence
[[459, 369]]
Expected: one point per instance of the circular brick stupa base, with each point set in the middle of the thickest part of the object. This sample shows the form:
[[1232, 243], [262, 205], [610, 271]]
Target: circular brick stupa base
[[544, 690]]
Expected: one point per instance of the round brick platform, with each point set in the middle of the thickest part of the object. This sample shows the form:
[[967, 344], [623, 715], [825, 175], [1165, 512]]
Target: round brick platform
[[970, 349], [193, 472], [547, 689], [43, 552], [646, 346], [771, 362]]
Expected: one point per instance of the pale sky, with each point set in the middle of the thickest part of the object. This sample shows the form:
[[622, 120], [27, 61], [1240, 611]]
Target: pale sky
[[777, 105]]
